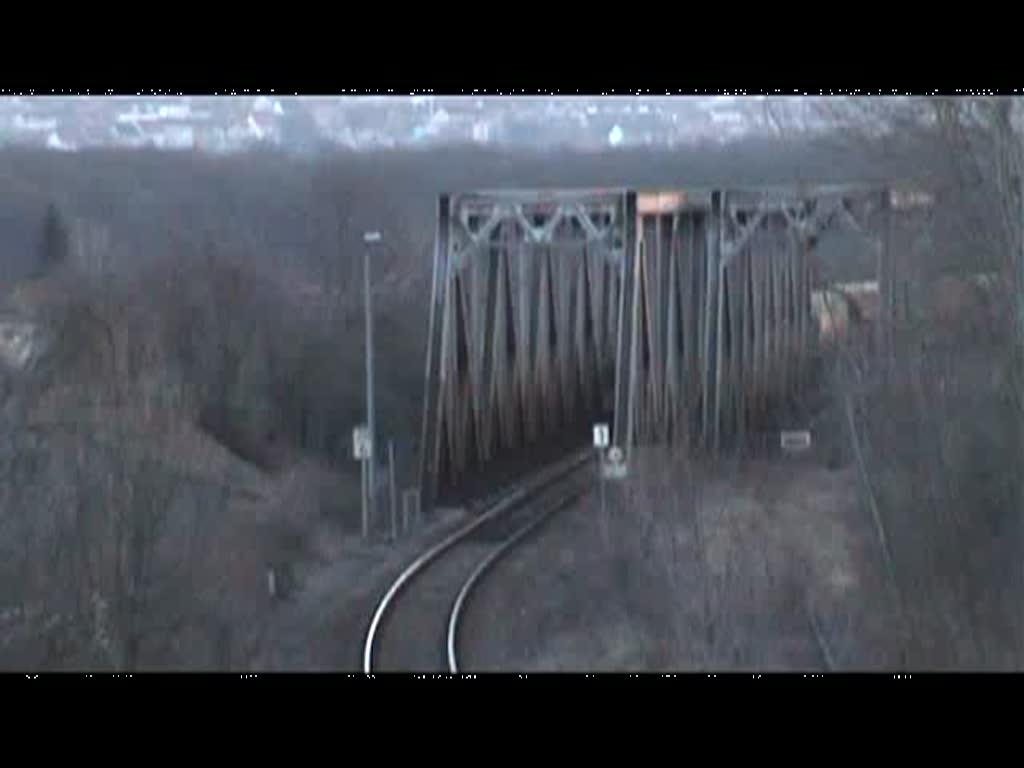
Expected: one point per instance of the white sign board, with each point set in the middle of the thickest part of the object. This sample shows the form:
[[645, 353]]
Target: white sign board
[[614, 465], [793, 442], [600, 435], [362, 443]]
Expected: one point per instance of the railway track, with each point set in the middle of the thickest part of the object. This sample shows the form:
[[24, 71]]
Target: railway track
[[415, 627]]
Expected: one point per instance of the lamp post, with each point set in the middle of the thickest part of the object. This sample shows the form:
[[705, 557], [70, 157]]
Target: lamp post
[[369, 239]]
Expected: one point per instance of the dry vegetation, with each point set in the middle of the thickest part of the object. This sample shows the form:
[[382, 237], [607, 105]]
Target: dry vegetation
[[931, 450], [756, 559], [183, 428], [939, 431], [894, 545], [187, 426]]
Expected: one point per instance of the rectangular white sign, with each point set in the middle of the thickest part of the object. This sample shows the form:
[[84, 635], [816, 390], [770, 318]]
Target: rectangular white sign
[[362, 444], [795, 441], [600, 435]]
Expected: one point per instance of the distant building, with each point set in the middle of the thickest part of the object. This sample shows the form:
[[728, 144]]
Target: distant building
[[174, 112], [481, 132], [126, 133], [174, 136], [30, 124], [727, 124], [263, 126], [138, 116], [264, 104], [54, 141], [439, 120]]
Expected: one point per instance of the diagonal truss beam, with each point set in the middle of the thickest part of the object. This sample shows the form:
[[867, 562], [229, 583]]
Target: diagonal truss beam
[[693, 306]]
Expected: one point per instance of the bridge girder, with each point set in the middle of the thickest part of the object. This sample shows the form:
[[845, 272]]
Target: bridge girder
[[681, 314]]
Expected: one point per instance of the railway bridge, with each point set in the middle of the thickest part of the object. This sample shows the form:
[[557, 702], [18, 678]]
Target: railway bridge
[[680, 316]]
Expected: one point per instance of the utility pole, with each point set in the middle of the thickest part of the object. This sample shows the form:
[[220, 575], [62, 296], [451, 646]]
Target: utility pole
[[601, 440], [369, 238], [393, 495], [362, 451]]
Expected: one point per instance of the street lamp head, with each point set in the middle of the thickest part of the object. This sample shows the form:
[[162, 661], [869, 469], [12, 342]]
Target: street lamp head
[[371, 237]]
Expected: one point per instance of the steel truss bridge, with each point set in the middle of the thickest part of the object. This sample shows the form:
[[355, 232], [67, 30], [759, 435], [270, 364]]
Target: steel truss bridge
[[681, 316]]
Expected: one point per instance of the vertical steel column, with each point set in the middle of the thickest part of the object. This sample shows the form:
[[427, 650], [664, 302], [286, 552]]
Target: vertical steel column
[[371, 410], [624, 331], [710, 308], [634, 389], [886, 278], [719, 216], [430, 434]]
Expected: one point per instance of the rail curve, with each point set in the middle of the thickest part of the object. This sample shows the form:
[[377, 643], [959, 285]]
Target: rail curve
[[479, 556]]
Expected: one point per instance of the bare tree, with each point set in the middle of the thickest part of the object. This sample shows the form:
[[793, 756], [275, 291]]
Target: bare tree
[[54, 242], [940, 440]]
